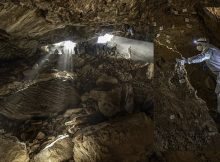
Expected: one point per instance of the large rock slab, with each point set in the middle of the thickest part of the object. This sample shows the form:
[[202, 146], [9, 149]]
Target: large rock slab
[[123, 139], [40, 99], [57, 151], [11, 150]]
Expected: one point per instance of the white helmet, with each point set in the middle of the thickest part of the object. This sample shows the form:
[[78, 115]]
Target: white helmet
[[201, 41]]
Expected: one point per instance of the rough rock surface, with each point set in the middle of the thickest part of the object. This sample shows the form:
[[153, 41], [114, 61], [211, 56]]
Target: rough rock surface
[[94, 83], [11, 150], [126, 139], [25, 104], [58, 150], [59, 90], [105, 81], [108, 101]]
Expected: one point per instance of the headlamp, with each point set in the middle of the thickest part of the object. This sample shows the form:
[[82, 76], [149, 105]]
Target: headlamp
[[195, 42]]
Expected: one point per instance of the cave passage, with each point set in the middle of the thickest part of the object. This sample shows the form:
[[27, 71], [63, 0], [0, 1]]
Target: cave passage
[[109, 81]]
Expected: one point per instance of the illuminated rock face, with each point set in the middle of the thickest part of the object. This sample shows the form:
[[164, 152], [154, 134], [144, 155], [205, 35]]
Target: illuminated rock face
[[59, 150], [126, 139], [12, 150], [47, 89]]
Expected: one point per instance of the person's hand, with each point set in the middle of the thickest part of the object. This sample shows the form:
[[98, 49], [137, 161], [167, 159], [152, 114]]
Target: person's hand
[[181, 61]]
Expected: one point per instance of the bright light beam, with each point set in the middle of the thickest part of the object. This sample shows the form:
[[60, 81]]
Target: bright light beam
[[69, 46], [104, 39]]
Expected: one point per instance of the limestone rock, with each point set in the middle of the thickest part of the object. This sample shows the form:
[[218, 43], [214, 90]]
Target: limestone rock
[[57, 151], [124, 77], [11, 150], [105, 80], [78, 62], [125, 139], [40, 136], [108, 101], [69, 112], [54, 95]]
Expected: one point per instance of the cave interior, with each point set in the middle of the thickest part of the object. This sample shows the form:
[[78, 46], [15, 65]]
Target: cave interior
[[98, 81]]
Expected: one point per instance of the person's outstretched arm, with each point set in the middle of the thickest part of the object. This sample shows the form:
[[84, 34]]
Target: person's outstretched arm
[[199, 58]]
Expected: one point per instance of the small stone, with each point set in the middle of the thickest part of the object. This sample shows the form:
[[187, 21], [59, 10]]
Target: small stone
[[175, 12], [51, 138], [59, 118], [185, 10], [35, 147], [30, 144], [158, 35], [167, 36], [188, 26], [187, 20], [45, 123], [69, 123], [154, 24], [182, 81], [40, 136], [161, 28], [69, 112], [2, 131], [35, 141], [172, 117], [168, 41]]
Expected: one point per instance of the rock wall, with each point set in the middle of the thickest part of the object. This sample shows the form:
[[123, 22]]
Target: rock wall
[[126, 139], [11, 150]]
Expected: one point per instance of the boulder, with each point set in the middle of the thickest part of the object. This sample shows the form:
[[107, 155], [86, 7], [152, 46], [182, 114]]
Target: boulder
[[108, 101], [40, 136], [11, 150], [124, 76], [123, 139], [70, 112], [78, 62], [105, 80], [57, 151]]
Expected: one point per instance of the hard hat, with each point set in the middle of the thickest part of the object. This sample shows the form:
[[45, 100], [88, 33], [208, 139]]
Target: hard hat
[[201, 40]]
